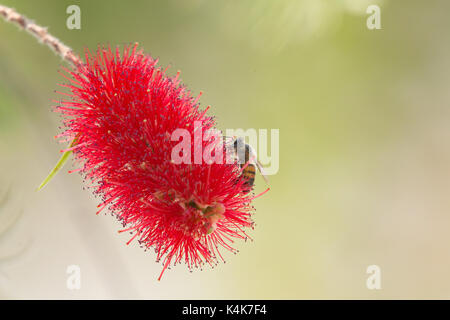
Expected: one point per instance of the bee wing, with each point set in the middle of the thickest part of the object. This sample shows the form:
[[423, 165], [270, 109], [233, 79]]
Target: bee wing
[[254, 159], [261, 169]]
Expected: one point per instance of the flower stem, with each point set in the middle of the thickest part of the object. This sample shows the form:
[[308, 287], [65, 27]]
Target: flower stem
[[66, 53], [41, 34]]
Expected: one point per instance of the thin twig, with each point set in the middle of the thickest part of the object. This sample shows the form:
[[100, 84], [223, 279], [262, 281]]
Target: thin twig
[[40, 33]]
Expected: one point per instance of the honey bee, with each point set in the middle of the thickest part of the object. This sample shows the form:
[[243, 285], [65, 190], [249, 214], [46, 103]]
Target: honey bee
[[246, 157]]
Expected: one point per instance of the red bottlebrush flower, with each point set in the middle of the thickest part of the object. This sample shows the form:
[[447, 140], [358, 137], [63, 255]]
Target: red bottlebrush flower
[[121, 111]]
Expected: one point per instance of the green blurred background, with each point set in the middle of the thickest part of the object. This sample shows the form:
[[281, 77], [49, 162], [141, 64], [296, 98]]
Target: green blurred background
[[364, 148]]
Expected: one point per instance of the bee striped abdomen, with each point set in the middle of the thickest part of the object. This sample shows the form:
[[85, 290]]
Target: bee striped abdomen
[[249, 174]]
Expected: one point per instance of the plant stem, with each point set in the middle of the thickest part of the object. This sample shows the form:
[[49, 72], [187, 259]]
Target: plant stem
[[66, 53], [40, 33]]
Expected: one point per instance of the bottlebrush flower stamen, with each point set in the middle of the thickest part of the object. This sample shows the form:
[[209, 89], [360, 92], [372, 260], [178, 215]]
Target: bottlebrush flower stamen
[[118, 115], [123, 109]]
